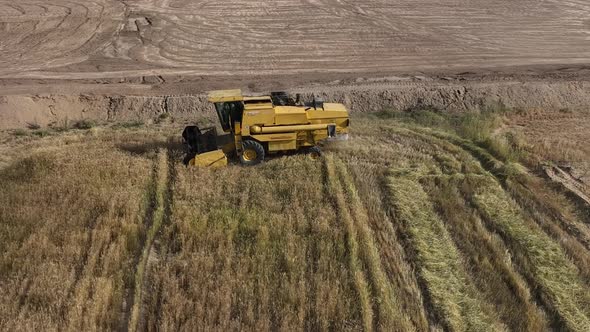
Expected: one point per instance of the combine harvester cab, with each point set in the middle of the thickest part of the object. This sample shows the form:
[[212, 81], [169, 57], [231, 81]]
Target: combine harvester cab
[[256, 126]]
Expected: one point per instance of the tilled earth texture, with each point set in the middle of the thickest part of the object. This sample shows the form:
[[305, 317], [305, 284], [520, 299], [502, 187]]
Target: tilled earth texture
[[94, 39]]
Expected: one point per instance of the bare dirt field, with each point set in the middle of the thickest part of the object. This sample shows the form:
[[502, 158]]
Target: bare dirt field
[[97, 39]]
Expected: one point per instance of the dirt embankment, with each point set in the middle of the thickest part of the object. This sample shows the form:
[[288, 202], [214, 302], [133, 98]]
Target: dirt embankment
[[458, 97], [21, 110]]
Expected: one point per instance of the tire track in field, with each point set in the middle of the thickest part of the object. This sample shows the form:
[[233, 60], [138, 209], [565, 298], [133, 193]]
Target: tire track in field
[[389, 306], [160, 243], [360, 280], [370, 188], [387, 279], [451, 293], [150, 311], [156, 215]]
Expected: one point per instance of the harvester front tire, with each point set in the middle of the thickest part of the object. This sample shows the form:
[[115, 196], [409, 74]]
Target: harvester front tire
[[252, 153], [313, 152]]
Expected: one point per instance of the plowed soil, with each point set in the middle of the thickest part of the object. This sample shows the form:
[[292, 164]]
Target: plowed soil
[[124, 40]]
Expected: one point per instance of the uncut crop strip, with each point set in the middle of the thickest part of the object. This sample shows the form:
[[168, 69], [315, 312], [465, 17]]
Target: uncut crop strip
[[368, 183], [535, 199], [485, 254], [548, 208], [440, 265], [375, 149], [550, 268], [485, 257], [552, 215], [453, 159], [563, 287], [544, 261], [389, 312]]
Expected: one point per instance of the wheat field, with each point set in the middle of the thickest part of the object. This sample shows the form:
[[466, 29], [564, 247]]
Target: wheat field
[[421, 221]]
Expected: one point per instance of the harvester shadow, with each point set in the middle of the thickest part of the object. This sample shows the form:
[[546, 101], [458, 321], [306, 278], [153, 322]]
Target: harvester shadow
[[175, 149]]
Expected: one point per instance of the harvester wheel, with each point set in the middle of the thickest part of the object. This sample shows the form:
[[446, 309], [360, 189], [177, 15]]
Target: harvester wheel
[[313, 152], [252, 154]]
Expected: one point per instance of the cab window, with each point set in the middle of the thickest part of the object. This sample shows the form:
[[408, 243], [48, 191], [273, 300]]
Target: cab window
[[228, 113]]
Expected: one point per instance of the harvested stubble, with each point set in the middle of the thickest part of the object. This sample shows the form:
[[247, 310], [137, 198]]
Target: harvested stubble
[[400, 228]]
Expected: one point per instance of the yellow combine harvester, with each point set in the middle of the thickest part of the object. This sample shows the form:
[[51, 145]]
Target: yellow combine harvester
[[256, 126]]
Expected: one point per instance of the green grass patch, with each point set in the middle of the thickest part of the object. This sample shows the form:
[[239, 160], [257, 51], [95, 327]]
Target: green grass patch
[[41, 133], [20, 132], [85, 124], [129, 125], [480, 127]]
